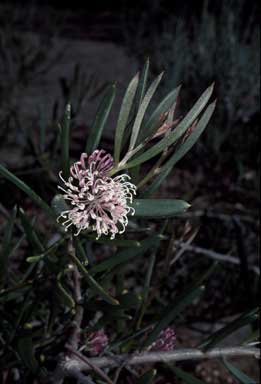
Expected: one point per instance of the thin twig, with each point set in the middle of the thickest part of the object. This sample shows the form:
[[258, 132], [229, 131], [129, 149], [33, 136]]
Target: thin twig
[[218, 215], [213, 255], [89, 364], [157, 357], [76, 331]]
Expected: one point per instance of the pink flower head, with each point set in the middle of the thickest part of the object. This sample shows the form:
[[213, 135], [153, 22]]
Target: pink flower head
[[97, 342], [165, 341], [97, 202]]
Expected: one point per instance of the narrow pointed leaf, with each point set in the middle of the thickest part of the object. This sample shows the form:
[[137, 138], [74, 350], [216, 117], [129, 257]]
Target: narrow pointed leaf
[[65, 296], [80, 251], [237, 373], [147, 377], [156, 208], [186, 377], [30, 232], [26, 352], [172, 311], [65, 141], [124, 243], [24, 187], [124, 116], [178, 131], [190, 293], [217, 337], [181, 151], [125, 255], [100, 119], [141, 111], [143, 82], [94, 284], [6, 246], [163, 107]]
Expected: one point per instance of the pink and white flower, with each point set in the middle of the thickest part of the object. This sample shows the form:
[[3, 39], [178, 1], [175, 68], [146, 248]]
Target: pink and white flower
[[97, 202]]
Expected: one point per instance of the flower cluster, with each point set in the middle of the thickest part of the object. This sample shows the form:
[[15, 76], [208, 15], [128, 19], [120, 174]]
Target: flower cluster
[[97, 202], [165, 341], [97, 342]]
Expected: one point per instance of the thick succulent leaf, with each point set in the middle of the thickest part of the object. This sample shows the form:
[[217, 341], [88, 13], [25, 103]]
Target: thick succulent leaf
[[178, 131], [141, 111], [24, 187], [182, 150], [158, 208], [124, 116], [100, 119]]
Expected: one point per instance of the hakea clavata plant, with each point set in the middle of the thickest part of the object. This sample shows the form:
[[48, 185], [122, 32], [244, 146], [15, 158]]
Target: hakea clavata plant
[[97, 201]]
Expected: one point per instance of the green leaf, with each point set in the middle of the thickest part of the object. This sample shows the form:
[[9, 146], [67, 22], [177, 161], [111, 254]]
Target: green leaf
[[80, 252], [100, 119], [65, 141], [125, 255], [14, 293], [182, 150], [239, 375], [124, 116], [6, 246], [152, 123], [30, 232], [217, 337], [97, 288], [124, 243], [178, 131], [51, 249], [25, 350], [156, 208], [147, 377], [190, 293], [24, 187], [172, 311], [143, 82], [129, 300], [59, 205], [146, 288], [141, 111], [65, 297], [187, 377]]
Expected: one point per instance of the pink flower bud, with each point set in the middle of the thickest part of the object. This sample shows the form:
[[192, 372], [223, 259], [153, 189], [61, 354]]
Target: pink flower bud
[[165, 342], [97, 342]]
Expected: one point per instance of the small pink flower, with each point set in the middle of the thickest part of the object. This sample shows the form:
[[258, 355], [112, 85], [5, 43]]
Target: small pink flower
[[97, 342], [165, 342], [97, 202]]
